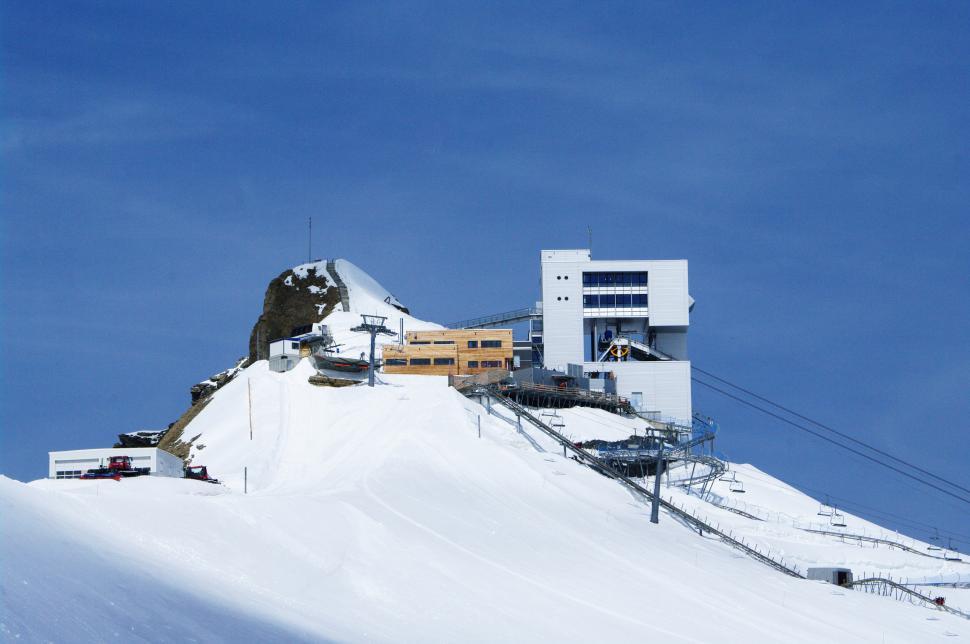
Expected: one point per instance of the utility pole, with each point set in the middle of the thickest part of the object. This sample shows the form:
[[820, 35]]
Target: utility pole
[[373, 324], [655, 503]]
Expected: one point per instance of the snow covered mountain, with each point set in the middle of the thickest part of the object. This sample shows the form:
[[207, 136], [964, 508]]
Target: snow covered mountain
[[381, 515]]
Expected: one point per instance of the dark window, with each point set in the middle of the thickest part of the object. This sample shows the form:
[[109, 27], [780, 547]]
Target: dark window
[[589, 279], [473, 364], [396, 362], [640, 300], [444, 361], [444, 341], [473, 344], [642, 277], [607, 301], [606, 279], [591, 301], [627, 278], [294, 345], [419, 362], [491, 363], [623, 301], [420, 342], [491, 344]]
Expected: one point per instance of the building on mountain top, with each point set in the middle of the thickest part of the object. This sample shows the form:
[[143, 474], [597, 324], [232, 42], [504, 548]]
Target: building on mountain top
[[450, 352]]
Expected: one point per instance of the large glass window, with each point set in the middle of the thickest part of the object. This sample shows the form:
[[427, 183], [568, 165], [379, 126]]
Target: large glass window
[[473, 344], [491, 344], [640, 300], [444, 361], [607, 301], [420, 362], [622, 301], [396, 362], [491, 364], [444, 341], [625, 278], [473, 364], [591, 301]]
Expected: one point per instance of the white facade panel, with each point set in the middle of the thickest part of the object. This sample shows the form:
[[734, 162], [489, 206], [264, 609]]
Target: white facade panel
[[669, 301], [284, 347], [74, 463], [562, 312], [664, 385]]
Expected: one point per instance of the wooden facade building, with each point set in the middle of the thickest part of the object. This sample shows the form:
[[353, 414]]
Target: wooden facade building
[[450, 352]]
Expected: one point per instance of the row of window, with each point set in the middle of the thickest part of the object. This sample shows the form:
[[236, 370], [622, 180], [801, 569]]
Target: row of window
[[472, 344], [636, 301], [425, 362], [628, 278], [68, 474]]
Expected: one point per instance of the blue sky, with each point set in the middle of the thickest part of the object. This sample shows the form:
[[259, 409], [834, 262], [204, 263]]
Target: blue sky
[[159, 161]]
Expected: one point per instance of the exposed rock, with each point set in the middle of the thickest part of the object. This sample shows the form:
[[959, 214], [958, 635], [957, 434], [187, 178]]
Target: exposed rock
[[144, 438], [206, 388], [294, 299], [172, 441]]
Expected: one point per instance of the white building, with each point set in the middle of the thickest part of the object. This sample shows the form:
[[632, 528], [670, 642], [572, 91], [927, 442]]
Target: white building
[[284, 354], [622, 319], [72, 464]]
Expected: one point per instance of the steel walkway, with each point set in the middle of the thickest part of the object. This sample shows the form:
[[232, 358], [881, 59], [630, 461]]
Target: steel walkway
[[901, 592], [492, 394], [887, 542], [499, 319]]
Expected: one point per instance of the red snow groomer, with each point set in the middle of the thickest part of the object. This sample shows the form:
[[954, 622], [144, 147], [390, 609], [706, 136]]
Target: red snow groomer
[[117, 467], [199, 473]]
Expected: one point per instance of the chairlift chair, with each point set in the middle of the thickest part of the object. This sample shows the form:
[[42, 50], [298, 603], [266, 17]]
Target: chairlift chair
[[737, 486], [837, 520], [824, 510]]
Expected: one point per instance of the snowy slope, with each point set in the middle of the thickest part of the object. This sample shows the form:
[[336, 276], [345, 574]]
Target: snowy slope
[[366, 296], [380, 515]]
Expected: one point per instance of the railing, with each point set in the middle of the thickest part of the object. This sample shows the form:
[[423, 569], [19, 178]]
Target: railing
[[886, 542], [516, 315], [598, 465], [572, 392], [890, 588]]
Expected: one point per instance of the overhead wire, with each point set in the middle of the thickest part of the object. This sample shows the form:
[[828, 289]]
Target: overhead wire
[[832, 441], [833, 430]]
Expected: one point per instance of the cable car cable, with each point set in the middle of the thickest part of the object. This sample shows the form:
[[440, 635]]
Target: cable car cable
[[834, 431], [833, 441]]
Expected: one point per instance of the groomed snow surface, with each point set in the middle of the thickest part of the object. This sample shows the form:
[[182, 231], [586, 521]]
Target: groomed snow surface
[[380, 515]]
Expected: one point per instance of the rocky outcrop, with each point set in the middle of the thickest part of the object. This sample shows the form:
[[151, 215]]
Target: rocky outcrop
[[202, 390], [144, 438], [295, 298]]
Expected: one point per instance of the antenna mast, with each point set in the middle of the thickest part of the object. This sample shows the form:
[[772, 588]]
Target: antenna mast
[[309, 239], [589, 238]]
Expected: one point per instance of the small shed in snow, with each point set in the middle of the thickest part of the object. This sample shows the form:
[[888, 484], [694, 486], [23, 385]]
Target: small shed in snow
[[837, 576], [284, 354]]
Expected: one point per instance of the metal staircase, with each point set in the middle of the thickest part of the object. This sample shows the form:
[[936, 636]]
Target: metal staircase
[[341, 286]]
